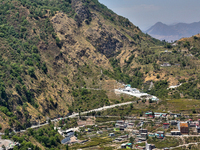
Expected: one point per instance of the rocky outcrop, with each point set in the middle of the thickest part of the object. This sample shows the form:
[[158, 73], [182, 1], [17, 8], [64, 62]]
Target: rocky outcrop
[[81, 10], [105, 44]]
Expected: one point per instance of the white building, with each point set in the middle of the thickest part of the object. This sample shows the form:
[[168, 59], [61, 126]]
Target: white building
[[131, 91]]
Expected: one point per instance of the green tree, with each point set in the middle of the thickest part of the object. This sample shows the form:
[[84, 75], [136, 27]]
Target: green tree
[[67, 147], [158, 76], [3, 147], [44, 68], [31, 71], [6, 132], [18, 88], [156, 67], [131, 106], [35, 49], [122, 98], [131, 140]]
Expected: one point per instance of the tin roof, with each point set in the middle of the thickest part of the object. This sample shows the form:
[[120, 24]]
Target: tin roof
[[183, 125], [165, 123]]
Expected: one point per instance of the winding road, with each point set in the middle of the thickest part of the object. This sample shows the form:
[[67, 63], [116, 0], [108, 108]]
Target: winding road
[[82, 113]]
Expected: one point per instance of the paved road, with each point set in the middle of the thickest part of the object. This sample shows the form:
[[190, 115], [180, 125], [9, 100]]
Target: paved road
[[76, 114], [101, 109]]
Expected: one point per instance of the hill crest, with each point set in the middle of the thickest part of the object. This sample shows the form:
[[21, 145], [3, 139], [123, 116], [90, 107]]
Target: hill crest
[[173, 32]]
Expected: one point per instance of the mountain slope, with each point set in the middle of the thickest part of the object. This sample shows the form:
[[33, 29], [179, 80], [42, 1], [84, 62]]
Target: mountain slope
[[59, 57], [173, 32], [50, 50]]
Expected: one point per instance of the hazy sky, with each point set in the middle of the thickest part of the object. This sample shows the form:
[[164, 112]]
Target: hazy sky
[[145, 13]]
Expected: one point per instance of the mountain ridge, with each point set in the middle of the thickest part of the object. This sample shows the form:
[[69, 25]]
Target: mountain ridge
[[173, 32]]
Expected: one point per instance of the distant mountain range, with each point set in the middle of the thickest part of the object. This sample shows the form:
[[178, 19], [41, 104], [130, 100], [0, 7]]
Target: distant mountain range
[[162, 31]]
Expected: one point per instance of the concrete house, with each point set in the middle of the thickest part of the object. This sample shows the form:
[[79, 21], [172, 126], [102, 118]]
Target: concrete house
[[175, 132], [136, 132], [198, 129], [173, 122], [143, 131], [165, 125], [183, 127], [120, 122], [160, 134], [111, 134], [143, 136], [149, 146], [127, 146], [175, 115], [68, 133]]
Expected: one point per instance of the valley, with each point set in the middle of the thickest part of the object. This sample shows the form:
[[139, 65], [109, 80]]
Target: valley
[[61, 61]]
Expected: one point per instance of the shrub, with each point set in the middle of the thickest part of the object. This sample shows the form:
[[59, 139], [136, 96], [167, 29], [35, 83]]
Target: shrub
[[35, 49], [158, 76], [44, 68], [18, 88], [31, 71]]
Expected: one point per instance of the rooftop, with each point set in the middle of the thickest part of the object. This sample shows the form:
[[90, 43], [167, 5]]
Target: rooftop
[[183, 124], [165, 123]]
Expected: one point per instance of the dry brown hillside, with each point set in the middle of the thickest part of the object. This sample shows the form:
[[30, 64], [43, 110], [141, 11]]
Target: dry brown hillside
[[60, 57]]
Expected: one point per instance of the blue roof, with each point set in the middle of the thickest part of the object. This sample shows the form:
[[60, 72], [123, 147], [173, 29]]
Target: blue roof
[[148, 113], [67, 139]]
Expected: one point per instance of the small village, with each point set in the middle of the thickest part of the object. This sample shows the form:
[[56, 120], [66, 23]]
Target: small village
[[151, 130], [133, 133]]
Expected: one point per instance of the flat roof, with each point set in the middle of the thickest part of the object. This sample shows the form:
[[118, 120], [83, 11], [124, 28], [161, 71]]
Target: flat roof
[[175, 131], [183, 124], [160, 132]]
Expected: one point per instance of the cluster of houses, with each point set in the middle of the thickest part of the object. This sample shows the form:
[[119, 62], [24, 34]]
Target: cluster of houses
[[184, 127], [69, 135], [121, 124], [151, 114], [140, 135]]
